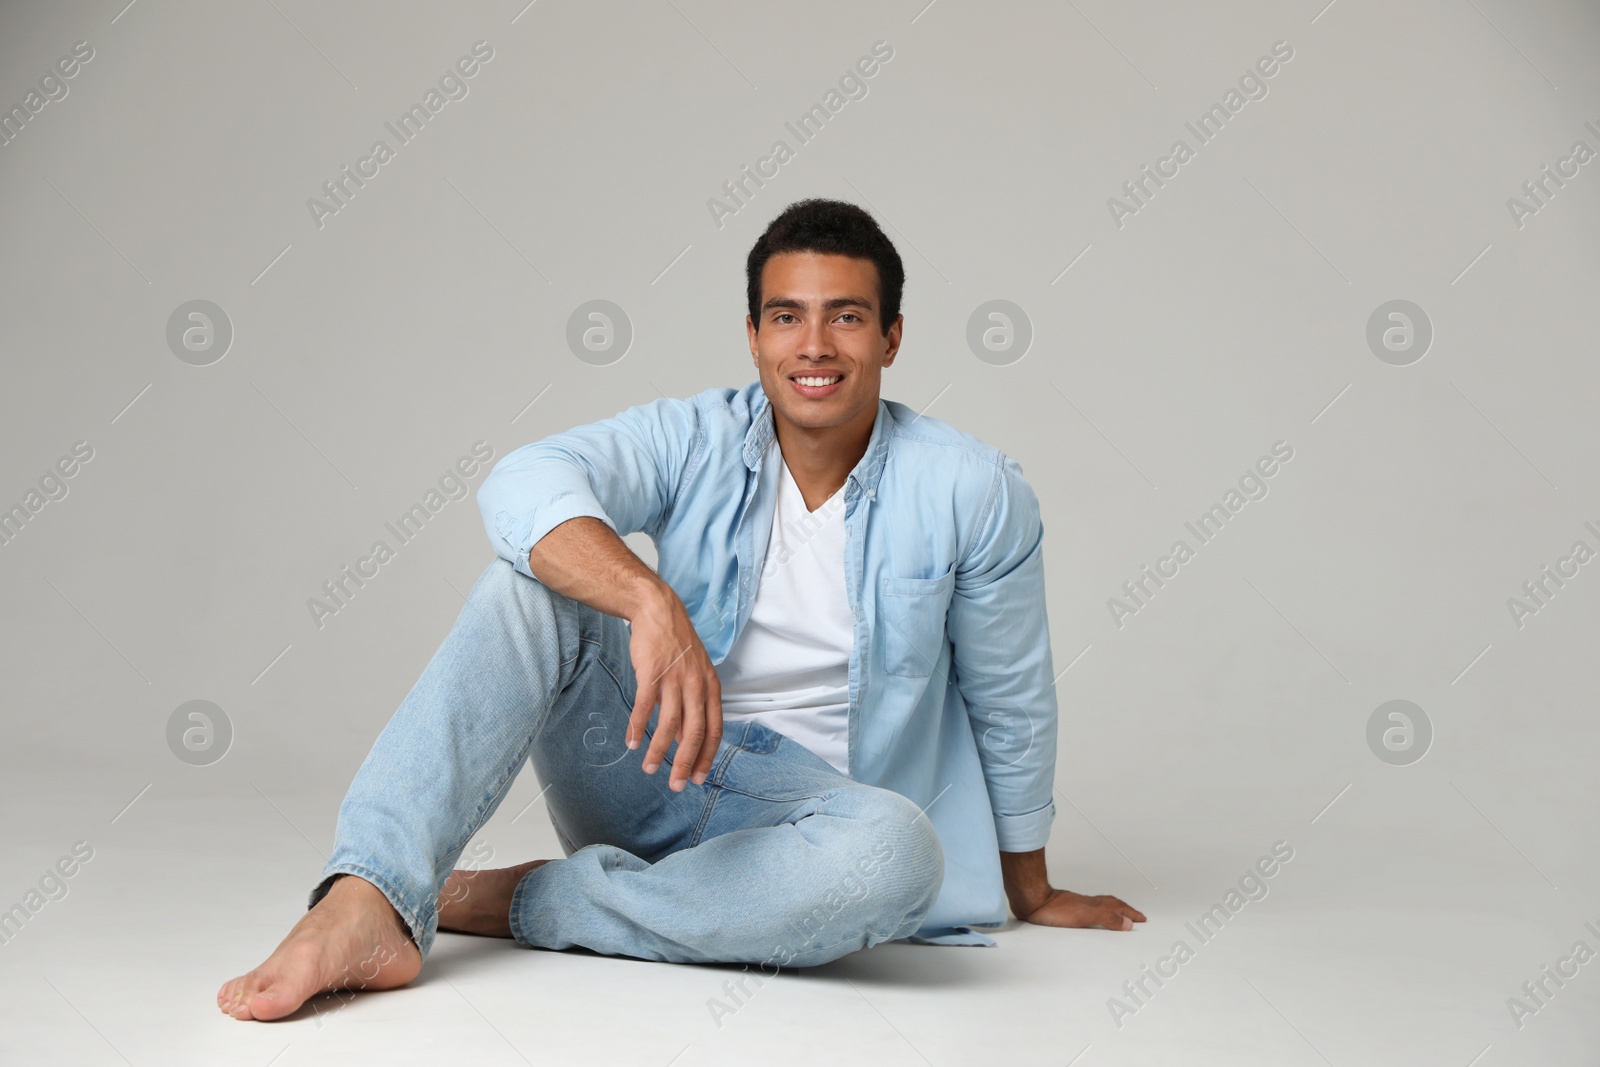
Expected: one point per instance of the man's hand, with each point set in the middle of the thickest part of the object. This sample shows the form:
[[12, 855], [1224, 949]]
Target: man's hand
[[1033, 899], [1066, 908], [671, 668], [584, 559]]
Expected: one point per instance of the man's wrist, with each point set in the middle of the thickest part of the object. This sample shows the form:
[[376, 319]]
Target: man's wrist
[[1027, 883], [647, 593]]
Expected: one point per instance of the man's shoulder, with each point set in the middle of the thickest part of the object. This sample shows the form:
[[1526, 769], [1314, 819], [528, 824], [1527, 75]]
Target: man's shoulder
[[925, 429], [728, 405], [937, 446], [721, 413]]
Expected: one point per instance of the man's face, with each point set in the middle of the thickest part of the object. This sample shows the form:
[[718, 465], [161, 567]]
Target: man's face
[[820, 323]]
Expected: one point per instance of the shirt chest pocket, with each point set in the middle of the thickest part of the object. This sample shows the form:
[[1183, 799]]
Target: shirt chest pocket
[[911, 615]]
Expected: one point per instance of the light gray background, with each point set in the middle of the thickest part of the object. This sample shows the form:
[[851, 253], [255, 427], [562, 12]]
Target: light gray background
[[1228, 314]]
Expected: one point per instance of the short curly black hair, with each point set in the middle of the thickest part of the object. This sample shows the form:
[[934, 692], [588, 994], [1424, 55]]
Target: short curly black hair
[[830, 227]]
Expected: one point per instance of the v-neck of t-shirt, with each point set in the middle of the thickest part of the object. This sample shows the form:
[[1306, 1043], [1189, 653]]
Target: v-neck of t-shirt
[[789, 476]]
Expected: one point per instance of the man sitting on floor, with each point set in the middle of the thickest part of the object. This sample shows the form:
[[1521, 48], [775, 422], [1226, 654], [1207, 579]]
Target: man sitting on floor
[[843, 658]]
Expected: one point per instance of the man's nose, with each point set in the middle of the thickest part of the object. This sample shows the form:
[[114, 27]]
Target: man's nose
[[815, 342]]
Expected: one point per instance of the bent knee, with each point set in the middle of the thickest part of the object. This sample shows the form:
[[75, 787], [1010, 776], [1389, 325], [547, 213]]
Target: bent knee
[[889, 874], [501, 579], [899, 854]]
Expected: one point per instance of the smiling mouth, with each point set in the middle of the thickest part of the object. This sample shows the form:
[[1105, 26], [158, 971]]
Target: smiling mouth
[[816, 381]]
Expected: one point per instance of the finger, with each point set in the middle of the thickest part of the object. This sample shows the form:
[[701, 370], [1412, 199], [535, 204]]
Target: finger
[[666, 726], [708, 751], [1112, 919], [644, 701], [691, 734], [1123, 906]]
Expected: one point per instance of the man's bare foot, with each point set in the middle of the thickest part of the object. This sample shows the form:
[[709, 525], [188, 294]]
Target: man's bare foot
[[479, 902], [352, 939]]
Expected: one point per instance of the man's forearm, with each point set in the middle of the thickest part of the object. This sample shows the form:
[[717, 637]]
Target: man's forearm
[[1027, 884], [584, 559]]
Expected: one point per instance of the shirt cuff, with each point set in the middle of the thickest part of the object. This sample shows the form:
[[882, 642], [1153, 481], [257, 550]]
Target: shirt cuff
[[949, 935], [1024, 833], [549, 517]]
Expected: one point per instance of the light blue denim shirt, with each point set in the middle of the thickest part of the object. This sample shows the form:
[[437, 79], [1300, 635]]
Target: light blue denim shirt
[[952, 701]]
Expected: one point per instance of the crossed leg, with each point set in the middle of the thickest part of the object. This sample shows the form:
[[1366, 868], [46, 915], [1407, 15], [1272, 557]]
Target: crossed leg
[[775, 856]]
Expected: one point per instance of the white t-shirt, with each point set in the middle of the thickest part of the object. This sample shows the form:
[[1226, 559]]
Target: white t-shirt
[[790, 667]]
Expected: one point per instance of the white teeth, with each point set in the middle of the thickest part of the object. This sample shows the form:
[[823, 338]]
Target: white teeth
[[816, 381]]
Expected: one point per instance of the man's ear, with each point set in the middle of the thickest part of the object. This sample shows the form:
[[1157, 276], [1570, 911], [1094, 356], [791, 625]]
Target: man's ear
[[893, 340]]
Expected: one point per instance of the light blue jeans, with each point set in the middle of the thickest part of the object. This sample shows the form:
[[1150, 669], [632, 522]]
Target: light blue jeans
[[777, 859]]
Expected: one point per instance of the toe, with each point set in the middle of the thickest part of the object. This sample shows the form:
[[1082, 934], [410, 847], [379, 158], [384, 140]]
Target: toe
[[266, 1006], [240, 995], [228, 999], [280, 990], [228, 996]]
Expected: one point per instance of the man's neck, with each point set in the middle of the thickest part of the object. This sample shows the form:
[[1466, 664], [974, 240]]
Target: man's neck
[[820, 460]]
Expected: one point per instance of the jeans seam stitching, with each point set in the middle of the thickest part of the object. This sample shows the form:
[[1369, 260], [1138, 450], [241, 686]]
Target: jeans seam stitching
[[622, 695], [501, 786], [719, 768], [705, 818], [516, 911], [776, 800]]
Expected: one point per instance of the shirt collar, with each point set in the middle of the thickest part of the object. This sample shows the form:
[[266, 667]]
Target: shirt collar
[[867, 469]]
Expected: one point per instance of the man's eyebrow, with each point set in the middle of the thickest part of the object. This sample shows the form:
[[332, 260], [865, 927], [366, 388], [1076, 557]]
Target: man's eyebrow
[[827, 305]]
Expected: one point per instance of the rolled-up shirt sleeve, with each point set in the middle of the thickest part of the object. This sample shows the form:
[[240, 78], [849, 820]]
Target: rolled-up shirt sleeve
[[1000, 639], [624, 471]]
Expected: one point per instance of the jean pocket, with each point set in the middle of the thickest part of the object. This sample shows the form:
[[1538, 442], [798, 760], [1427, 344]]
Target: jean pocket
[[757, 737], [912, 611]]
